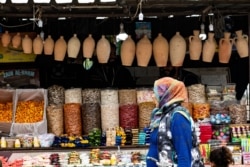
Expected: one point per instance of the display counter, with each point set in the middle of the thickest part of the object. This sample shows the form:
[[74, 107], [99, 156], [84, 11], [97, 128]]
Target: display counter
[[17, 153], [14, 153]]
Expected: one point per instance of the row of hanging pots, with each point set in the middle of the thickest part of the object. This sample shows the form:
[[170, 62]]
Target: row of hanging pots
[[208, 48], [176, 49], [59, 47], [142, 50], [26, 43]]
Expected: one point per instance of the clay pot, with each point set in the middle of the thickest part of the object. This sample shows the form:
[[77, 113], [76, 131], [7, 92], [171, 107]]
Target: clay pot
[[195, 45], [178, 48], [225, 48], [103, 50], [49, 44], [60, 49], [88, 46], [241, 43], [38, 45], [160, 51], [6, 39], [16, 40], [144, 50], [128, 48], [27, 44], [73, 46], [209, 48]]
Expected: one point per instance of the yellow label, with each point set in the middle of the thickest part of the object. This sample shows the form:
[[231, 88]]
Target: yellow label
[[13, 55]]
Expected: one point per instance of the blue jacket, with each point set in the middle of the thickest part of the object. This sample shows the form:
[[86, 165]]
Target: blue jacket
[[182, 141]]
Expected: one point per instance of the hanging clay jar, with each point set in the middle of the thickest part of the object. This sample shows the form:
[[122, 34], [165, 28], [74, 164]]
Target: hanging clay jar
[[209, 48], [103, 50], [225, 48], [38, 45], [27, 44], [73, 46], [16, 40], [48, 45], [195, 45], [128, 51], [241, 43], [6, 39], [88, 46], [178, 48], [144, 50], [160, 51], [60, 49]]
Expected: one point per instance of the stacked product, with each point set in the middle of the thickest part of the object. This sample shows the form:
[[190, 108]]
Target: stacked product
[[74, 158], [205, 132], [135, 134], [110, 137], [109, 109], [54, 110], [128, 112], [129, 137], [72, 112], [220, 119], [91, 111], [196, 96], [146, 105], [141, 138]]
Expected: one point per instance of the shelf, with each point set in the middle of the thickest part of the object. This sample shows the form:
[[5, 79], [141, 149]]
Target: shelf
[[45, 149]]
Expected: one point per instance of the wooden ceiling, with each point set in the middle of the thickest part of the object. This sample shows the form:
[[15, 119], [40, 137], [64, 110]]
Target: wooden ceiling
[[125, 8]]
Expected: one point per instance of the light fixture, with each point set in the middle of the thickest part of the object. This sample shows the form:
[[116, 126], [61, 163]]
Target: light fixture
[[42, 35], [107, 0], [101, 17], [122, 35], [19, 1], [40, 23], [203, 35], [86, 1], [63, 1], [211, 26], [61, 18], [171, 16], [41, 1], [2, 1], [140, 16]]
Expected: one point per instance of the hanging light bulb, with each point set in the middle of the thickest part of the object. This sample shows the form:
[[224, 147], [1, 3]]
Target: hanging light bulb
[[140, 16], [122, 35], [210, 26], [42, 35], [202, 35]]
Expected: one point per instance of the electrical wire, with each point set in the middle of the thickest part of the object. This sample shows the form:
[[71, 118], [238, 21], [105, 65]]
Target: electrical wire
[[15, 26], [139, 5]]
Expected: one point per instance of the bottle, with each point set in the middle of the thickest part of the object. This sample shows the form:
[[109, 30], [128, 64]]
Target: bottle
[[3, 142], [17, 143], [36, 142], [113, 159]]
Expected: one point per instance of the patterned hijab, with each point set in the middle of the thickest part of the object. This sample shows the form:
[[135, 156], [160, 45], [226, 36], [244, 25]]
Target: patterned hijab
[[167, 91]]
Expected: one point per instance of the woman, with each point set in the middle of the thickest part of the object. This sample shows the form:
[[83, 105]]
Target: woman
[[169, 93], [221, 157]]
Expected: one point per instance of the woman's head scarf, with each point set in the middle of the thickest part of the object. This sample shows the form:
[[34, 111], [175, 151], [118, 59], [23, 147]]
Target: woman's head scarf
[[167, 91]]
